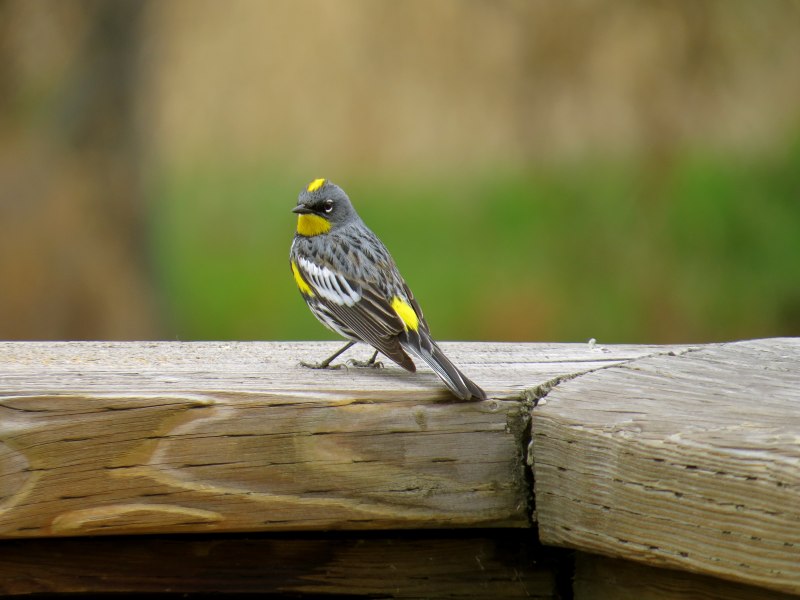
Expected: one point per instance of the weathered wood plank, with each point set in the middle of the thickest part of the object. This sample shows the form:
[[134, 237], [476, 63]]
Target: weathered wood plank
[[102, 438], [412, 565], [689, 461], [601, 578]]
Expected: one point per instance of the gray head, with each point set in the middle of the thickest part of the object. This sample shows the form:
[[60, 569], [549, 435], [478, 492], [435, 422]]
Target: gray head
[[322, 206]]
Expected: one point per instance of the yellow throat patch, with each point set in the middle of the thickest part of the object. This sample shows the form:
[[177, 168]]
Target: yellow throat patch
[[406, 313], [315, 185], [305, 289], [309, 225]]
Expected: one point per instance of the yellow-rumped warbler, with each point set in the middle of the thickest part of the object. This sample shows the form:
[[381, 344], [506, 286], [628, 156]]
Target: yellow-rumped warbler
[[351, 284]]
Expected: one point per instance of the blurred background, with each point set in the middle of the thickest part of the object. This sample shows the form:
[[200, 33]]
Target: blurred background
[[551, 171]]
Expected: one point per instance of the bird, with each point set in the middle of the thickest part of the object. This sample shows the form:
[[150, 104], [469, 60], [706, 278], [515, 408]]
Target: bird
[[352, 285]]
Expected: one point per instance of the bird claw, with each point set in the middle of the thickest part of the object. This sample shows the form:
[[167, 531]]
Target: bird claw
[[320, 365], [365, 364]]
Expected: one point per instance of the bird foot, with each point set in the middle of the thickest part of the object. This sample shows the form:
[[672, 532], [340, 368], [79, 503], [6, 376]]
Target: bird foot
[[320, 365], [365, 364]]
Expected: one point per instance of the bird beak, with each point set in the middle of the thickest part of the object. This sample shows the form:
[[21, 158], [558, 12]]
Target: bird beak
[[301, 209]]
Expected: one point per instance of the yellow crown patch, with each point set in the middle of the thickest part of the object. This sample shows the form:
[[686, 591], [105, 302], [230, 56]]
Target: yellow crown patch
[[315, 185]]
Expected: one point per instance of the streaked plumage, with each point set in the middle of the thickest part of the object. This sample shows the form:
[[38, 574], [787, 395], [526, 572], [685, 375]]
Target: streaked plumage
[[352, 285]]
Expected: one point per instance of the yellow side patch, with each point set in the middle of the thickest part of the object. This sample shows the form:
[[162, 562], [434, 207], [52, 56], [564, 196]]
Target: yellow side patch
[[309, 225], [305, 289], [315, 185], [406, 313]]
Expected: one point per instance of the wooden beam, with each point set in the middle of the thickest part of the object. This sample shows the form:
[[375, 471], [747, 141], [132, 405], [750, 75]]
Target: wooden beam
[[500, 564], [119, 438], [678, 457], [688, 461]]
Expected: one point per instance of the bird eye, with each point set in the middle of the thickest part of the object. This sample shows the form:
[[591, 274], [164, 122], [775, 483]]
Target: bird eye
[[328, 206]]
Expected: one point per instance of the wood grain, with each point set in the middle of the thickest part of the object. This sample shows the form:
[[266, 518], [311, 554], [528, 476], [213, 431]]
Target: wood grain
[[113, 438], [601, 578], [688, 461], [504, 564]]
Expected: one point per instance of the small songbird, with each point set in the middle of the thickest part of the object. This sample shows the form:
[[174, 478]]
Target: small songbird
[[352, 285]]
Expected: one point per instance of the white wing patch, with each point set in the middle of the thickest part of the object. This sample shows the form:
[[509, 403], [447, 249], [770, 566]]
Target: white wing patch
[[328, 284]]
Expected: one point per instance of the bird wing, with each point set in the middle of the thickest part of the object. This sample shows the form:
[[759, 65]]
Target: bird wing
[[358, 306]]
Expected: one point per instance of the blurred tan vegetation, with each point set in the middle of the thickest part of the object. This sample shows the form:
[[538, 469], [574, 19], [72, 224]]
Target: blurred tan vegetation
[[622, 170]]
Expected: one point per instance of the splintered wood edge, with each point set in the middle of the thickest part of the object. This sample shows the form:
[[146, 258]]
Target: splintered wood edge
[[688, 461]]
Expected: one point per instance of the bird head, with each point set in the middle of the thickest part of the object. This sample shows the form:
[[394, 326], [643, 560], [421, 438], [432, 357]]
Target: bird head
[[322, 206]]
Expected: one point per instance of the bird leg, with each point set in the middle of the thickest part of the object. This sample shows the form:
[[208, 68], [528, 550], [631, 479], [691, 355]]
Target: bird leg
[[325, 364], [371, 363]]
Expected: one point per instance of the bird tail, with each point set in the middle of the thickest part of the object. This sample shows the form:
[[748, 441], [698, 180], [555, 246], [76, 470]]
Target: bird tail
[[458, 383]]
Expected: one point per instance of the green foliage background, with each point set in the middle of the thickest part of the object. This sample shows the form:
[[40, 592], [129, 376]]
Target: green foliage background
[[703, 248]]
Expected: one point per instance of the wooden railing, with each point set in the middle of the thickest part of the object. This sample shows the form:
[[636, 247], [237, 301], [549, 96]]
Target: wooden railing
[[684, 461]]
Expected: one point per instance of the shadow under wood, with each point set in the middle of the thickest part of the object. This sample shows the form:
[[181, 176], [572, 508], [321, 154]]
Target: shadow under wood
[[411, 564]]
